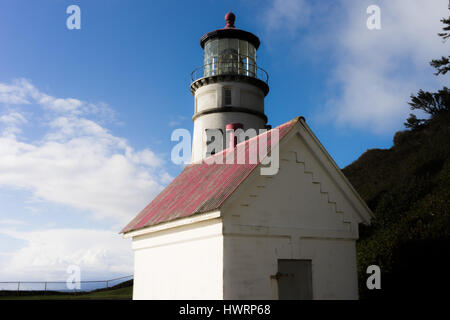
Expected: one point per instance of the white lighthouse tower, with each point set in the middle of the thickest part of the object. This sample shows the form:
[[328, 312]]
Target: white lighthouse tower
[[229, 88]]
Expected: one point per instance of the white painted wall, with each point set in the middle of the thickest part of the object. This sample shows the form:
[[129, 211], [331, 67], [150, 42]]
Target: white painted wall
[[180, 263], [304, 212], [288, 216], [249, 262], [210, 96], [242, 95]]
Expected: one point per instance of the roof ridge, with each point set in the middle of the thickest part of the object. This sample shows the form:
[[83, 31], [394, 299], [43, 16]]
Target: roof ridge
[[226, 150]]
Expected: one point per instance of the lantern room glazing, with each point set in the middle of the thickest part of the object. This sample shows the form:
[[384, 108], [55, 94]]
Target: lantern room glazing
[[229, 56]]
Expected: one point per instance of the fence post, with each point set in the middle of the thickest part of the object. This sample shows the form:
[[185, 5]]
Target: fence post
[[18, 286], [106, 284], [45, 286]]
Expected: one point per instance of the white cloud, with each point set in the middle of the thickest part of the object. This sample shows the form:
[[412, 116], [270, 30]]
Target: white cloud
[[177, 120], [78, 162], [374, 71], [92, 173], [22, 91], [379, 69], [12, 122], [174, 123], [13, 118], [60, 105], [47, 254], [13, 93], [11, 222], [287, 15], [165, 177]]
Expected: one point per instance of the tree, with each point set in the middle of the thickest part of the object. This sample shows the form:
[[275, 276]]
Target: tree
[[413, 123], [432, 103], [443, 65]]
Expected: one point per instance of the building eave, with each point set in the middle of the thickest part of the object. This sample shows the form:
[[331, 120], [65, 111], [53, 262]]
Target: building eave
[[199, 217]]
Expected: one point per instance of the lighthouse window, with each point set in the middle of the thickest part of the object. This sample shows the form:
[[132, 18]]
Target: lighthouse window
[[229, 56], [251, 51], [227, 95], [243, 49], [243, 56], [233, 45], [246, 67], [210, 58], [213, 66]]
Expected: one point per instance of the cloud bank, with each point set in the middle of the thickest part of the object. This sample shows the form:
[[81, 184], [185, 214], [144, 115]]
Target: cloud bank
[[57, 151], [76, 162], [373, 72], [379, 69], [48, 253]]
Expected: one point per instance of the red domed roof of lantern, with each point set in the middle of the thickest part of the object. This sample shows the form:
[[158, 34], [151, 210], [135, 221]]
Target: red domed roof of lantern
[[230, 31]]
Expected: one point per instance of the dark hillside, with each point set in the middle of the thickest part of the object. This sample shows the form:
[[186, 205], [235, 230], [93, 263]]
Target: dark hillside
[[408, 189]]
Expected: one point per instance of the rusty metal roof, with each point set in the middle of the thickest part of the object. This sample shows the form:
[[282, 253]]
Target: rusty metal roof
[[201, 187]]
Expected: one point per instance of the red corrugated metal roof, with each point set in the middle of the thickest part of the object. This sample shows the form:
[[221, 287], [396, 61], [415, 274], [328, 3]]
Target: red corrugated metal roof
[[200, 187]]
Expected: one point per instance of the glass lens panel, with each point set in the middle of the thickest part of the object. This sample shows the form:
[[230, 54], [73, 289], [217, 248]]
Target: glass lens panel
[[251, 52], [223, 45], [229, 56], [214, 68], [251, 67], [234, 47], [206, 59], [207, 51], [243, 49], [213, 56], [243, 54], [214, 44]]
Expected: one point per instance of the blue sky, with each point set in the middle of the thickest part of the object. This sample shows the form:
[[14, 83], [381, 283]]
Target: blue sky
[[86, 115]]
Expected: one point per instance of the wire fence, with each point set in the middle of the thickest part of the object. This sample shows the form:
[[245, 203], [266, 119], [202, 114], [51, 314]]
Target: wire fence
[[62, 286]]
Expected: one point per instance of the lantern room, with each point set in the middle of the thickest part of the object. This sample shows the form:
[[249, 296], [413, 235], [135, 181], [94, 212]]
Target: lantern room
[[230, 51]]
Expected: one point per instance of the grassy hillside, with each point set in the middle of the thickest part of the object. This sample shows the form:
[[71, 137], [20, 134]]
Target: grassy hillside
[[123, 291], [408, 189]]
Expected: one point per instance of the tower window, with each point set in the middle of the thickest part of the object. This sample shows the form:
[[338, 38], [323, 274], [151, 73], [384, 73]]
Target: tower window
[[227, 95]]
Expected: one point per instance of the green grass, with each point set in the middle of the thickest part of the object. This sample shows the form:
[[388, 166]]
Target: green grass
[[119, 292]]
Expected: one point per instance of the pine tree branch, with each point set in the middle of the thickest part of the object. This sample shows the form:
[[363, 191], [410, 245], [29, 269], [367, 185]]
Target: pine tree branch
[[441, 65]]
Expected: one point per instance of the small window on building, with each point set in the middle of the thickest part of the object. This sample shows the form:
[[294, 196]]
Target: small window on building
[[227, 95]]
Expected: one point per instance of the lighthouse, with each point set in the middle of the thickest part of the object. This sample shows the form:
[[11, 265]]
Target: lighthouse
[[227, 231], [229, 88]]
